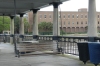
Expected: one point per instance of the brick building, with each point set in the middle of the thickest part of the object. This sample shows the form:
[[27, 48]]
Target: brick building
[[69, 21]]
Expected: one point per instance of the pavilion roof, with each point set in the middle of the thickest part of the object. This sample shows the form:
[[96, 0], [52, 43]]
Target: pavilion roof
[[22, 6]]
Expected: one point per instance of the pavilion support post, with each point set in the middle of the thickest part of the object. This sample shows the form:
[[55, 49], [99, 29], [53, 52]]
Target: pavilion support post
[[56, 28], [21, 27], [11, 29], [92, 21], [35, 23]]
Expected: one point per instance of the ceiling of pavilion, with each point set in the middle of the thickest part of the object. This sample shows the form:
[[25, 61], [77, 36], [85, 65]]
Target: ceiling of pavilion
[[22, 6]]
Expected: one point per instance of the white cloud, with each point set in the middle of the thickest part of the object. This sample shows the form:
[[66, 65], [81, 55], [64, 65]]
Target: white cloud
[[73, 5]]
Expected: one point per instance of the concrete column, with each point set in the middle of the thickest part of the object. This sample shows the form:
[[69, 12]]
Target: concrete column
[[21, 29], [11, 29], [92, 19], [35, 22], [21, 26], [56, 26]]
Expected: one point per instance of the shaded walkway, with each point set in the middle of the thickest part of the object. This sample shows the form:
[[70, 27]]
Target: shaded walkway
[[7, 59]]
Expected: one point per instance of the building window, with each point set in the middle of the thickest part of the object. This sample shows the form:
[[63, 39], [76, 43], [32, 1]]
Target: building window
[[98, 22], [59, 16], [68, 16], [72, 16], [68, 22], [86, 22], [72, 22], [64, 23], [81, 16], [50, 16], [77, 16], [77, 22], [98, 16], [40, 16], [85, 16], [64, 16], [44, 16], [81, 22]]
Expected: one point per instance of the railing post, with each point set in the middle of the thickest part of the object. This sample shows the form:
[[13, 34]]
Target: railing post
[[15, 46]]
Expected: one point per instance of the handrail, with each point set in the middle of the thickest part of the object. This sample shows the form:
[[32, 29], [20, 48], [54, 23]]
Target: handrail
[[69, 41], [51, 37]]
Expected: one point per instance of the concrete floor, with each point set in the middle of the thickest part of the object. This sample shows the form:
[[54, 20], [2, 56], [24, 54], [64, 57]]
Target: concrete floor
[[7, 58]]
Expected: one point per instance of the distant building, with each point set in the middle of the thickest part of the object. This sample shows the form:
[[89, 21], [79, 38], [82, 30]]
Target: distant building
[[69, 21]]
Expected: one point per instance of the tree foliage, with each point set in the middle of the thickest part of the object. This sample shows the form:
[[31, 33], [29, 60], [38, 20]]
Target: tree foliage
[[45, 26], [26, 25], [17, 22], [4, 23]]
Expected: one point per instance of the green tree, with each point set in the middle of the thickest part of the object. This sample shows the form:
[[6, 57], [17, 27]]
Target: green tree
[[16, 24], [4, 23], [26, 25], [45, 27], [1, 27]]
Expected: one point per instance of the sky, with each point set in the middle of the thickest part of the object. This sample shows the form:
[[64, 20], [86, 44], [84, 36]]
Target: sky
[[73, 5]]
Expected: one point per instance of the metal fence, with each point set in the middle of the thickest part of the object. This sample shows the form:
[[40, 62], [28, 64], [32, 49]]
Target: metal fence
[[67, 44], [70, 44], [4, 38]]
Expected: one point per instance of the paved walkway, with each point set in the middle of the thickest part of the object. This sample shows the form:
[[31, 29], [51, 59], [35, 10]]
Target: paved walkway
[[7, 58]]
